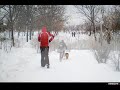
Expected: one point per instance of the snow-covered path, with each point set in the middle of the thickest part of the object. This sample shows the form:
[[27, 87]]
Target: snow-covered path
[[24, 66]]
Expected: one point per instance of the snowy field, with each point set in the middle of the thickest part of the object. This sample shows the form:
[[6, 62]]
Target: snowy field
[[23, 64]]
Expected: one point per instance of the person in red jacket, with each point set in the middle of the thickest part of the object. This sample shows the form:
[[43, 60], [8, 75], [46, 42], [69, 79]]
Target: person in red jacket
[[45, 38]]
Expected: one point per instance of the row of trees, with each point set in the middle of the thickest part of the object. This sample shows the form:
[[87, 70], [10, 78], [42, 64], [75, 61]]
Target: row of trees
[[29, 18], [108, 16]]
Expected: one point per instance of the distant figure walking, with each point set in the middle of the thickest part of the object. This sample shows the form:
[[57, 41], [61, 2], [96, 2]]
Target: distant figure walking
[[45, 38], [61, 49], [74, 34]]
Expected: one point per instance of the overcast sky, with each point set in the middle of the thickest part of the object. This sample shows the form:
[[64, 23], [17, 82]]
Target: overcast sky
[[74, 17]]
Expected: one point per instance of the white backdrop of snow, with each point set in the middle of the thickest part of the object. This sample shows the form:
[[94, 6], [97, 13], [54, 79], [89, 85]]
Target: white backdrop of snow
[[23, 65]]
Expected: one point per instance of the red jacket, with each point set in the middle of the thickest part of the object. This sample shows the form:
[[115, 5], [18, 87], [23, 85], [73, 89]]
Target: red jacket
[[45, 37]]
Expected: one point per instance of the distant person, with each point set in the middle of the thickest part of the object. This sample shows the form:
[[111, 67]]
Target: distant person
[[56, 33], [61, 49], [74, 34], [45, 38]]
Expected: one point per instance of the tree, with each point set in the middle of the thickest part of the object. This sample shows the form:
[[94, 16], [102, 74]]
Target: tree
[[11, 15], [115, 15], [90, 12], [20, 22], [25, 19], [51, 16]]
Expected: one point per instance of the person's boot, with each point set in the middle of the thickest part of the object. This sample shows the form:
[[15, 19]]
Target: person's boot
[[48, 66], [42, 65]]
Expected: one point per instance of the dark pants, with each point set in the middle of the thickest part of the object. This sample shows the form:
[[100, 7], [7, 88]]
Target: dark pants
[[44, 56]]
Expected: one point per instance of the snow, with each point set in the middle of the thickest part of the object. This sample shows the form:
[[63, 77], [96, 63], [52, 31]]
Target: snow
[[23, 65]]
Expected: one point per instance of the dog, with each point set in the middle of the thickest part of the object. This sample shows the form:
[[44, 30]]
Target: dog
[[66, 55]]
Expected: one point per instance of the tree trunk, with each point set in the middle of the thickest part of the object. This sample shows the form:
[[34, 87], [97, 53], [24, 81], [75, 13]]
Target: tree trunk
[[118, 65], [9, 33], [30, 33], [12, 36], [1, 45], [101, 34], [18, 33], [11, 26], [94, 31], [24, 33], [27, 33], [90, 33]]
